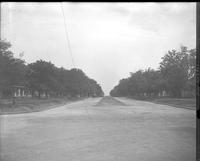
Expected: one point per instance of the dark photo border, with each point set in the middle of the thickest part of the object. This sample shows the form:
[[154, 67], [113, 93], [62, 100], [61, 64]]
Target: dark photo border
[[197, 81]]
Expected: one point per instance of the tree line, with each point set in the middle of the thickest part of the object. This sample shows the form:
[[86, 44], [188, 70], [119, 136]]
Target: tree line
[[42, 77], [175, 77]]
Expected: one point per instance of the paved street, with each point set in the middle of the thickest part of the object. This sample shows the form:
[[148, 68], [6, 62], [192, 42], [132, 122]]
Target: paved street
[[96, 129]]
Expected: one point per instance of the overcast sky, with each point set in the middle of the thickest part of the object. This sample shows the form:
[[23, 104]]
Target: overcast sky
[[108, 40]]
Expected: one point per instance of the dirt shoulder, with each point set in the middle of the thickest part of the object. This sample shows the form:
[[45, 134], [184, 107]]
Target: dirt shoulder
[[26, 105]]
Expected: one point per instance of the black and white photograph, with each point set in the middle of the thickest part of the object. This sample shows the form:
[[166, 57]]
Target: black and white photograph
[[98, 81]]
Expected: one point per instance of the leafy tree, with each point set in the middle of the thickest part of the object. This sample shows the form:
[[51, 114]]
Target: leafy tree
[[12, 70], [176, 74], [43, 77], [176, 70]]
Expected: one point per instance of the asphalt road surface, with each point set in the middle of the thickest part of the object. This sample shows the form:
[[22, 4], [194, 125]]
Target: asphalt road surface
[[100, 129]]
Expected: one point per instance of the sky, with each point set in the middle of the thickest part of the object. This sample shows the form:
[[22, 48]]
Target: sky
[[107, 40]]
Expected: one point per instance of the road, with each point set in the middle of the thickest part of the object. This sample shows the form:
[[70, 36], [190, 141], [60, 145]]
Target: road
[[100, 129]]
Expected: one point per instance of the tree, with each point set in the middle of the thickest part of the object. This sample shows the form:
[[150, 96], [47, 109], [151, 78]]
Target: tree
[[42, 77], [176, 68], [176, 75], [12, 70], [190, 86]]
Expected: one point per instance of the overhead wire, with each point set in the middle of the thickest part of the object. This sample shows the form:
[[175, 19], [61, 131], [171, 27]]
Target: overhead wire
[[70, 50], [67, 35]]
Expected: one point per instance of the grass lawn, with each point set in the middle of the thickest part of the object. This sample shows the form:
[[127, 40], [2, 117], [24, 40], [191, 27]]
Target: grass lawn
[[24, 105], [188, 103]]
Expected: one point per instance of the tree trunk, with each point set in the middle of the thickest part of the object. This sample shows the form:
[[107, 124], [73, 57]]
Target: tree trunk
[[39, 94]]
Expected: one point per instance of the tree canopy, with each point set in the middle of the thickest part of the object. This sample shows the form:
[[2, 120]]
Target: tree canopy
[[43, 77], [176, 75]]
